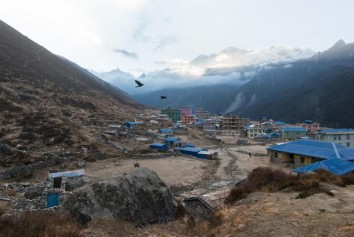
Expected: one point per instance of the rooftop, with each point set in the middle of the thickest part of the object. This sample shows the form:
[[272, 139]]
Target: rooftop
[[335, 166], [166, 130], [337, 130], [191, 149], [172, 139], [67, 174], [323, 150], [294, 129]]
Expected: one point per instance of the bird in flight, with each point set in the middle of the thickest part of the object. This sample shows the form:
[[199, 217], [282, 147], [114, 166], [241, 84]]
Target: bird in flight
[[163, 97], [139, 84]]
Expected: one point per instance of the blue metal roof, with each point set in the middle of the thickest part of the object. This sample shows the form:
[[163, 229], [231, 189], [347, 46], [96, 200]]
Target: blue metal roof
[[279, 123], [68, 174], [294, 129], [171, 139], [274, 135], [166, 130], [335, 166], [323, 150], [157, 144], [160, 146], [133, 123], [337, 130], [191, 149]]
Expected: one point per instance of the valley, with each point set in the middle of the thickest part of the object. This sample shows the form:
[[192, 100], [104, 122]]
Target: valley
[[233, 143]]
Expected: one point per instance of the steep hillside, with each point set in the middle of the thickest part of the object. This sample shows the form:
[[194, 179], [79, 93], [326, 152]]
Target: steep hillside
[[326, 98], [49, 104]]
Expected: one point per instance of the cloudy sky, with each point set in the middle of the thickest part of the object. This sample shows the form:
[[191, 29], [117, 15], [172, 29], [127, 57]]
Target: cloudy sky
[[140, 35]]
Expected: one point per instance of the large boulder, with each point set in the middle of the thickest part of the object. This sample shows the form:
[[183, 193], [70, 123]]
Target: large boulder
[[140, 197]]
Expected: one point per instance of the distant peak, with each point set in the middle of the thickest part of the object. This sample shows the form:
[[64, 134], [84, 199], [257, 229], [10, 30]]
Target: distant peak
[[142, 75], [338, 44], [231, 50]]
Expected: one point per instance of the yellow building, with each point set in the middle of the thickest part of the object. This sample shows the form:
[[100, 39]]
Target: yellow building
[[304, 152]]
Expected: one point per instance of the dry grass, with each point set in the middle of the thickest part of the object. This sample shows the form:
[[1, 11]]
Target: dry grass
[[348, 179], [268, 179], [39, 224]]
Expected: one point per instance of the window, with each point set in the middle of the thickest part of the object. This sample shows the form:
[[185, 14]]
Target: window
[[348, 144], [339, 137], [348, 136], [302, 159]]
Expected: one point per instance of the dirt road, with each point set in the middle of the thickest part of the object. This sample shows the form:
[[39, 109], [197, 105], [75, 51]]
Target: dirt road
[[180, 170]]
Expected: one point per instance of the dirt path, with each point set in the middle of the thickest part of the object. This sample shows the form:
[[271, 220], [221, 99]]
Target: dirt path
[[236, 164], [245, 164], [178, 170]]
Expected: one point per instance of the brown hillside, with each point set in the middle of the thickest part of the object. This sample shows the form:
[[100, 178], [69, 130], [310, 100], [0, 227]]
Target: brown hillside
[[48, 103]]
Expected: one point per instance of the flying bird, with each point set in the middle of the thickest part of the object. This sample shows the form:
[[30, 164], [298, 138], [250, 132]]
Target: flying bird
[[139, 84], [163, 97]]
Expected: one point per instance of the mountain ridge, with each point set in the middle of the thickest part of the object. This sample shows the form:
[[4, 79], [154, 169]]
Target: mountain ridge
[[50, 104], [266, 92]]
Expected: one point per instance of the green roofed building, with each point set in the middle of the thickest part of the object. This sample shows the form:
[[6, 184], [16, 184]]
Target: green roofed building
[[173, 114]]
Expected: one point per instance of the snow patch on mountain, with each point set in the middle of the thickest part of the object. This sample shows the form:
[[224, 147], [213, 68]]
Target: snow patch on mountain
[[238, 101]]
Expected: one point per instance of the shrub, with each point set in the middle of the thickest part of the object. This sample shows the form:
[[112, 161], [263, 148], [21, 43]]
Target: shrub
[[347, 179], [269, 179], [272, 180], [237, 194], [217, 218], [311, 191], [39, 224], [306, 181], [326, 176]]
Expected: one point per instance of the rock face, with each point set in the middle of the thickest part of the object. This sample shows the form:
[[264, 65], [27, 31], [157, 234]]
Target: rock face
[[140, 197]]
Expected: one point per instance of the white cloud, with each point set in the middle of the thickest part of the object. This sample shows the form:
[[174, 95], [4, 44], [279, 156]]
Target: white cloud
[[85, 31]]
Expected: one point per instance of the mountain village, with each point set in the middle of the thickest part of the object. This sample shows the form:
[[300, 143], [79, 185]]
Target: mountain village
[[200, 156], [80, 158]]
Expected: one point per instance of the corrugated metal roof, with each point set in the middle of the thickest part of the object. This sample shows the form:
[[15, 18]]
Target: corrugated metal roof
[[294, 129], [206, 152], [70, 173], [133, 123], [347, 153], [335, 166], [337, 130], [191, 149], [324, 150], [158, 144], [171, 139], [166, 130]]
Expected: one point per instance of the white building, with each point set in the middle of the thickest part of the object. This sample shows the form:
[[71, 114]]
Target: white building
[[253, 131], [344, 136]]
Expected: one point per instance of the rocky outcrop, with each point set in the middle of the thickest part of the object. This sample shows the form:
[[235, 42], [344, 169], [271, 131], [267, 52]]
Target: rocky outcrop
[[140, 197]]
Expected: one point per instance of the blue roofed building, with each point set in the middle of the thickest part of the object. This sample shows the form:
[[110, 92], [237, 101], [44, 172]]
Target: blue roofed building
[[302, 152], [189, 150], [159, 146], [344, 136], [132, 124], [335, 166], [173, 141], [292, 133], [168, 131]]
